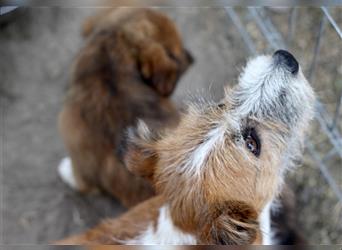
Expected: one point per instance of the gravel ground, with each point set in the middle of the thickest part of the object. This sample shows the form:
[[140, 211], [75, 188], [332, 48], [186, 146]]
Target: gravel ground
[[37, 46]]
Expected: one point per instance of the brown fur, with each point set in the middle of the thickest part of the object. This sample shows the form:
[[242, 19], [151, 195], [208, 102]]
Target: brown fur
[[224, 192], [232, 228], [217, 210], [123, 228], [233, 223], [128, 67]]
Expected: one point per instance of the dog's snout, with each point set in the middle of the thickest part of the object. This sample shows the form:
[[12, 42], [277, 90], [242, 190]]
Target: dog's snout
[[285, 58]]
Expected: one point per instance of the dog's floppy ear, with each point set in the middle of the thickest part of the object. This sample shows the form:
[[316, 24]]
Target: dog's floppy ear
[[234, 223], [158, 69], [140, 157]]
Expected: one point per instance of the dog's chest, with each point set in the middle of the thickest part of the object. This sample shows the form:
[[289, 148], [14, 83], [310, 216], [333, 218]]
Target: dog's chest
[[165, 233]]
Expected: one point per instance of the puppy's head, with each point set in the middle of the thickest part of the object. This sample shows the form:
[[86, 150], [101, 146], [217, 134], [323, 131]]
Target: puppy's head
[[148, 40], [162, 59], [224, 162]]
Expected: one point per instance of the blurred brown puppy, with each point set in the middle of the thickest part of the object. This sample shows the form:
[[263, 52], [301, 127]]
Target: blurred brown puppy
[[128, 68]]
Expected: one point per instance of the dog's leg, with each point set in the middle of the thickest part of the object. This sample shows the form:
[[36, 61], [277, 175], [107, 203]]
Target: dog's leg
[[69, 176], [77, 170]]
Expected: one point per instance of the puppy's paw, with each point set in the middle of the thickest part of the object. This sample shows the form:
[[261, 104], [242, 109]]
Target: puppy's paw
[[66, 173]]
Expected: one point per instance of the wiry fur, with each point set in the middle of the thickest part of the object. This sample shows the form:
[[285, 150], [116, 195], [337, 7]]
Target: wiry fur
[[214, 187], [129, 65], [164, 232]]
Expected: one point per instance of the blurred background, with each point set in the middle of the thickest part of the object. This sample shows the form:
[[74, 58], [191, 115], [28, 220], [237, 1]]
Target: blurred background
[[37, 47]]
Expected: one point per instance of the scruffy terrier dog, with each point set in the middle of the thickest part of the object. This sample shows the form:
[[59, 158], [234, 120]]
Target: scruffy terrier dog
[[217, 173], [129, 66]]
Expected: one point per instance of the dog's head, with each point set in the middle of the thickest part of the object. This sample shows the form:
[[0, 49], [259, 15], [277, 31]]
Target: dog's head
[[224, 162], [148, 41], [162, 59]]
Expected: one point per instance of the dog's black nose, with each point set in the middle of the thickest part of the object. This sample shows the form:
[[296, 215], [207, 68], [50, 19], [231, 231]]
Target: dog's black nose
[[285, 58]]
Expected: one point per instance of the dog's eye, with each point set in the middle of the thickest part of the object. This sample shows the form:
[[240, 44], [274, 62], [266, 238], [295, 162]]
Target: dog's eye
[[252, 141]]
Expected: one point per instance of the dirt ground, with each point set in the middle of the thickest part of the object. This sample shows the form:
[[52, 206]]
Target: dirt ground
[[37, 46]]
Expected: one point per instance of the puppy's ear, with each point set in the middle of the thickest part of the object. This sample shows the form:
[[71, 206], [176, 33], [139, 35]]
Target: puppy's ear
[[140, 157], [158, 69], [234, 223]]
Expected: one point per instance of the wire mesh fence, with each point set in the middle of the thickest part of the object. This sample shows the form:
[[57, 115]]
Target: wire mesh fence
[[260, 24]]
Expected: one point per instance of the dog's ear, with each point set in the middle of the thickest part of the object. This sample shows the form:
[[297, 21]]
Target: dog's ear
[[140, 157], [234, 223], [158, 69]]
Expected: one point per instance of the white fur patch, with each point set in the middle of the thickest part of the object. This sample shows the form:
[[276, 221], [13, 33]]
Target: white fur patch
[[66, 173], [165, 234], [265, 225], [200, 154]]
